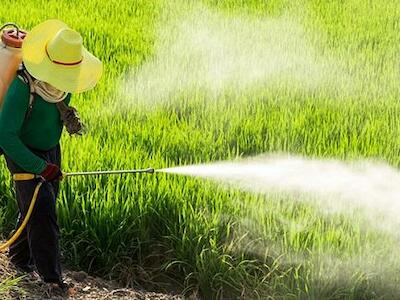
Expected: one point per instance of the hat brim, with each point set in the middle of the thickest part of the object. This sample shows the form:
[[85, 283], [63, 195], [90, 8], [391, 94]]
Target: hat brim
[[71, 79]]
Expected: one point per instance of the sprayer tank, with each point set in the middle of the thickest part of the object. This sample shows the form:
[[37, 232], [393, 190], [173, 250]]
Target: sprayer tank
[[10, 57]]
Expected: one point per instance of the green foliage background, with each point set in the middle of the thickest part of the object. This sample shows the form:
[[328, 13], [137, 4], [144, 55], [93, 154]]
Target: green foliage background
[[149, 230]]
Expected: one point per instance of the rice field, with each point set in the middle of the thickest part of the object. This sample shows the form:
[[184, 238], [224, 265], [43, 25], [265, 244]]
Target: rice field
[[190, 82]]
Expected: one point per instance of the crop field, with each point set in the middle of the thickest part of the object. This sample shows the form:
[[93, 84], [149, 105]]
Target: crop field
[[193, 82]]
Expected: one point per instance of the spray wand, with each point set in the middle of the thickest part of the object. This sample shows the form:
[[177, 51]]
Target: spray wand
[[116, 172], [28, 176]]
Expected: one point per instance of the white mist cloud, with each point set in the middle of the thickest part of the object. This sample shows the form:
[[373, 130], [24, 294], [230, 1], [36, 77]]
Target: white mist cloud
[[211, 52], [371, 187]]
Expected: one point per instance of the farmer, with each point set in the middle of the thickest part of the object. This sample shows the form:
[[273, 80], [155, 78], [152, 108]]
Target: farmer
[[35, 109]]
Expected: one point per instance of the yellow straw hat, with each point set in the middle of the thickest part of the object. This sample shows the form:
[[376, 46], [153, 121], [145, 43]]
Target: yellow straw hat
[[54, 53]]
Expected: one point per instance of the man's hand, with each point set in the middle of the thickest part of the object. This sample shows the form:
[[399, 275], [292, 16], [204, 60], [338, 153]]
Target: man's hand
[[52, 173]]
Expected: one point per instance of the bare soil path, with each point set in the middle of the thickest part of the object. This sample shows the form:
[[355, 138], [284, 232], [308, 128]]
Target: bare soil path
[[85, 287]]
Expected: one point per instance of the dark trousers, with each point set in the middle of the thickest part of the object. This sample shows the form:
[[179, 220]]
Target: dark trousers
[[38, 245]]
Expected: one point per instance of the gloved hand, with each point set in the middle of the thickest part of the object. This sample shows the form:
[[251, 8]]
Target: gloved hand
[[52, 173]]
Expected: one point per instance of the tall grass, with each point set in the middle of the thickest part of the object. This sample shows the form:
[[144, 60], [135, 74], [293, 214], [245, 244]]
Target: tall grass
[[149, 230]]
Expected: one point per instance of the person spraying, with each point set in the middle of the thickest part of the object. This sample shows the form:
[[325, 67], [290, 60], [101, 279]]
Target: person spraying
[[33, 112]]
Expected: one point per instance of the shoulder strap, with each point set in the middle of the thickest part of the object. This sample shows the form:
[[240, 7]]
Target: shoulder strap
[[27, 78]]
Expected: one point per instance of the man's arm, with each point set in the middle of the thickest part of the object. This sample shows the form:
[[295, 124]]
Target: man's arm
[[12, 116]]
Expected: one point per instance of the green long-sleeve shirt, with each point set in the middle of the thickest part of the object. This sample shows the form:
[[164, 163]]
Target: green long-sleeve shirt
[[41, 131]]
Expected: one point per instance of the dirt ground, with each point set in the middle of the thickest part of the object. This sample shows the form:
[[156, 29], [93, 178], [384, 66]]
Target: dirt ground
[[84, 287], [87, 287]]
